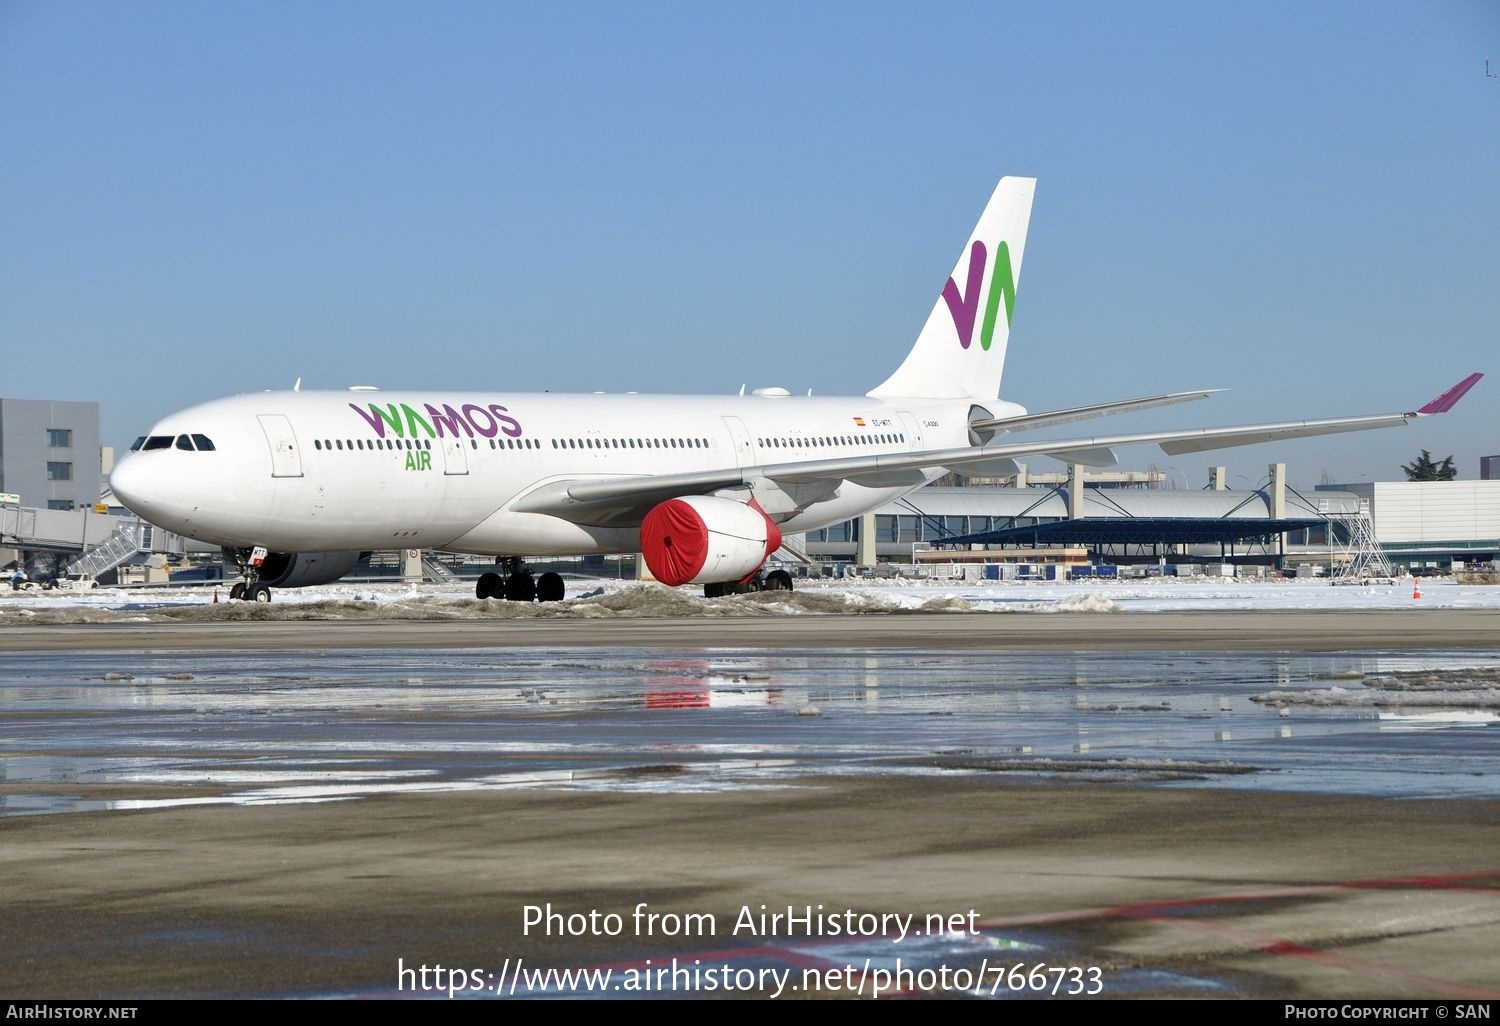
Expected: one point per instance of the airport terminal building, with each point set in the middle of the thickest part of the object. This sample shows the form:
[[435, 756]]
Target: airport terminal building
[[1419, 522], [50, 453], [1420, 526]]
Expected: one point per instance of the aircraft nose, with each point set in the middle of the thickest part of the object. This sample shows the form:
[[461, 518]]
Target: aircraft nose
[[130, 481]]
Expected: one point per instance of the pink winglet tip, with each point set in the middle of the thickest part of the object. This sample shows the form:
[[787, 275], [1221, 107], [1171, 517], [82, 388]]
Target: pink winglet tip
[[1446, 401]]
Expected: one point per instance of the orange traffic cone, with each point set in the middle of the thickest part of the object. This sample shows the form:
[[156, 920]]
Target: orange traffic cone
[[1416, 587]]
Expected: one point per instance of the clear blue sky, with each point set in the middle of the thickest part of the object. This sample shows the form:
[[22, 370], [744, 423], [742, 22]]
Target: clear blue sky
[[1298, 201]]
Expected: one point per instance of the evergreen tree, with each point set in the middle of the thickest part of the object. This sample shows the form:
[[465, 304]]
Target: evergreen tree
[[1424, 468]]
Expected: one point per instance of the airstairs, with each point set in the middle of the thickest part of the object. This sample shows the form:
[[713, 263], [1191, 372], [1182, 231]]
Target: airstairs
[[126, 543], [434, 570], [793, 554], [1362, 556]]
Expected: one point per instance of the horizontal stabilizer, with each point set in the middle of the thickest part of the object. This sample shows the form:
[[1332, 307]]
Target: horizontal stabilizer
[[1030, 421]]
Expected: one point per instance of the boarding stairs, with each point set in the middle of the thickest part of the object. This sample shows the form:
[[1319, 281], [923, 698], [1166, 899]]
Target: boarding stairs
[[126, 543], [790, 553], [436, 570], [1363, 558]]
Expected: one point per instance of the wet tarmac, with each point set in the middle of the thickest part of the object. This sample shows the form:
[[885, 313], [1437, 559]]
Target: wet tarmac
[[255, 727]]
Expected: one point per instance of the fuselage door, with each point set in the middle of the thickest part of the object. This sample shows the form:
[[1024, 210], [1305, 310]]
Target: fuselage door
[[286, 459], [455, 460], [913, 431], [744, 456]]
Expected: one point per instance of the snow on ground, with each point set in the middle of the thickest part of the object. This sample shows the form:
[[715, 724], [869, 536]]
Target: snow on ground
[[594, 598]]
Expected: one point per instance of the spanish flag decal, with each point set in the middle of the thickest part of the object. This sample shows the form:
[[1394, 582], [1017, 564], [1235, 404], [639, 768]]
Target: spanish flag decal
[[859, 422]]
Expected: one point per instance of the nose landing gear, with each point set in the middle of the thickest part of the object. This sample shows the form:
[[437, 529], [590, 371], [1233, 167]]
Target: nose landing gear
[[250, 589]]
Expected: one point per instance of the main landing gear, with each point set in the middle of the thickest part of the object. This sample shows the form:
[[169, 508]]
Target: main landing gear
[[515, 583], [776, 580]]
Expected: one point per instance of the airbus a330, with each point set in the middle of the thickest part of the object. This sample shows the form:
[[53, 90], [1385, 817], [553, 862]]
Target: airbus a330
[[295, 485]]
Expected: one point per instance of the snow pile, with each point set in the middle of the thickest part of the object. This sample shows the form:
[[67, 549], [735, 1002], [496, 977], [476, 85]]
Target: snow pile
[[594, 598], [1072, 604], [631, 600]]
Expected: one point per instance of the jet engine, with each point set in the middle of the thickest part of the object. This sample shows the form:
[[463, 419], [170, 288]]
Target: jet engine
[[702, 539], [300, 569]]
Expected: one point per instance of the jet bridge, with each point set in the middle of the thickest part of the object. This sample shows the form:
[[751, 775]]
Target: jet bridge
[[84, 541]]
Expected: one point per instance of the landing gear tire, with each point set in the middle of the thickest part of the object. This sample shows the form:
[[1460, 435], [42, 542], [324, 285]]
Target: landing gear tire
[[778, 580], [237, 590], [257, 593], [488, 586], [715, 590], [550, 587], [520, 587]]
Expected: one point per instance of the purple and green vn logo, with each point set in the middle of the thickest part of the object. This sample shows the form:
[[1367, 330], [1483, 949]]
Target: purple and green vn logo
[[965, 308]]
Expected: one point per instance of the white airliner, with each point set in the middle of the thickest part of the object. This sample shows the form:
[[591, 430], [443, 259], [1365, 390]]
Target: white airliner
[[295, 485]]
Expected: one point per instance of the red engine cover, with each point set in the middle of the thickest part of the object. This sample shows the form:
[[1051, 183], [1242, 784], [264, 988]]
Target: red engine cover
[[682, 539], [674, 542]]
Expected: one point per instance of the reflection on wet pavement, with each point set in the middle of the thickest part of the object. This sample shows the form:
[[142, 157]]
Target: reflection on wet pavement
[[86, 731]]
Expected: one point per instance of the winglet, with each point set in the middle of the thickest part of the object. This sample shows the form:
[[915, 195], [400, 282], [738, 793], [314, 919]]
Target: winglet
[[1446, 401]]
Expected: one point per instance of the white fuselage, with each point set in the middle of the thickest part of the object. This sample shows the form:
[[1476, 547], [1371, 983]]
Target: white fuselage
[[362, 469]]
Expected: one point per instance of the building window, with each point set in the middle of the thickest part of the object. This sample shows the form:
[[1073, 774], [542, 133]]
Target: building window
[[62, 504], [59, 471], [60, 438], [908, 529]]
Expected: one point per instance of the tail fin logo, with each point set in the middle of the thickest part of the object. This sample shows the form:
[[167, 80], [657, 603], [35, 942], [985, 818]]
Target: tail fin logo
[[965, 308]]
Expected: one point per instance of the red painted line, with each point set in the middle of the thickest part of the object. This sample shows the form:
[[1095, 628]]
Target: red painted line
[[1444, 988], [1442, 881], [1446, 881], [1162, 912]]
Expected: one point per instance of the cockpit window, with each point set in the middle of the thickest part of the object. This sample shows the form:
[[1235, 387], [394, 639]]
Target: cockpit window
[[158, 442], [203, 443], [183, 442], [138, 443]]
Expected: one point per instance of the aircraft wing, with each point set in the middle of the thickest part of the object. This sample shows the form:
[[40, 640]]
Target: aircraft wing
[[624, 501]]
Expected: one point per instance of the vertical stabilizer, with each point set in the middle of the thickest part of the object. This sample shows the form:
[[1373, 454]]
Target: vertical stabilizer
[[961, 350]]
